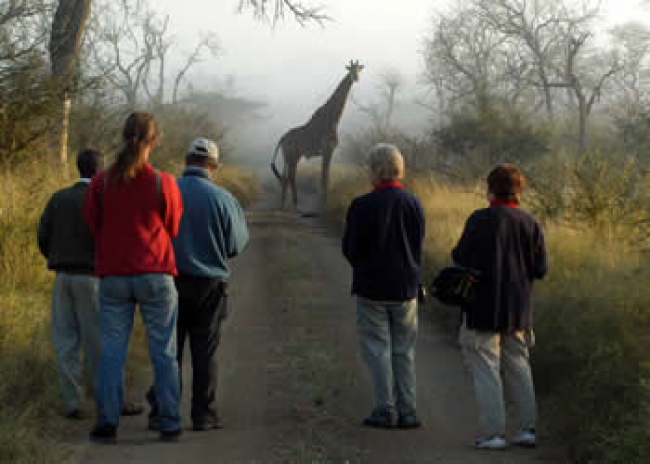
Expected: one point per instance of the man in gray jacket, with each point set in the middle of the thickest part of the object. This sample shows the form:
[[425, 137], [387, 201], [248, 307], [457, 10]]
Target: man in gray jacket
[[65, 241]]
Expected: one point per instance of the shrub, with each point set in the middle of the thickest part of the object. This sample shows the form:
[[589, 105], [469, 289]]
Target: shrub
[[474, 140]]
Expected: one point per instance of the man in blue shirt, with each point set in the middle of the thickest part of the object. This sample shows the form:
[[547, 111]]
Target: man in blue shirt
[[212, 231]]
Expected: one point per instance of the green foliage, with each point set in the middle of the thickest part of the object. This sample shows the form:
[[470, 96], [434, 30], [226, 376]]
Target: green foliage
[[27, 107], [594, 190], [482, 138], [589, 363], [634, 132], [416, 150], [180, 124]]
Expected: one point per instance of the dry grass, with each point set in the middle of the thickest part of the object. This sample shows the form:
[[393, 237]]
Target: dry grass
[[29, 424], [592, 322]]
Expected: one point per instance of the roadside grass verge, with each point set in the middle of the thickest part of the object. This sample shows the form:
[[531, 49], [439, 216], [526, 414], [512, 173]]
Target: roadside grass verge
[[592, 360], [31, 430]]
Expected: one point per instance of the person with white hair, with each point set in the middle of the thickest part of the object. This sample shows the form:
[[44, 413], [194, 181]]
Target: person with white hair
[[383, 238]]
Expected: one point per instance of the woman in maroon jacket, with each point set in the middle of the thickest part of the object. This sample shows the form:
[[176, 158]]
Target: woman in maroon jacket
[[133, 212], [506, 245]]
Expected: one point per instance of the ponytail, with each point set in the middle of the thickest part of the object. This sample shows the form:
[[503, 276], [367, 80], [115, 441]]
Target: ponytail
[[140, 131]]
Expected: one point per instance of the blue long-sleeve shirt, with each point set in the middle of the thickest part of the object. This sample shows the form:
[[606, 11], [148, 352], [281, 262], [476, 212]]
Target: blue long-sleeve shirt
[[212, 229], [383, 244]]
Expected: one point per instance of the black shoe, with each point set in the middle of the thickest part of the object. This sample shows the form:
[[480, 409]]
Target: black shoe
[[381, 420], [132, 409], [104, 433], [154, 422], [409, 421], [211, 422], [75, 414], [170, 436]]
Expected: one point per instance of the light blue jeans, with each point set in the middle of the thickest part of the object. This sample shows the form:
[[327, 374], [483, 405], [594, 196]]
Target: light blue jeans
[[75, 325], [158, 301], [387, 334]]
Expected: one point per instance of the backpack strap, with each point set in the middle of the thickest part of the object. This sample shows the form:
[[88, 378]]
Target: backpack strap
[[159, 194]]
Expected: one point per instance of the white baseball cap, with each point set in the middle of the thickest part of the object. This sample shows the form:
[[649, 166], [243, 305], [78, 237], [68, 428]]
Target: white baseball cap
[[204, 147]]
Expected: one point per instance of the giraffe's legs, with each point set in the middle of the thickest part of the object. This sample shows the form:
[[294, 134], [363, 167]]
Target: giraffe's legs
[[285, 184], [325, 176], [293, 167]]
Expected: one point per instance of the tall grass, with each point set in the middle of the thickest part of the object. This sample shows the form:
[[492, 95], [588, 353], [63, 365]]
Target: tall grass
[[28, 389], [592, 320], [30, 427]]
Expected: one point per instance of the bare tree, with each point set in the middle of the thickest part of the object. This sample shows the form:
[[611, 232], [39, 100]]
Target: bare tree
[[463, 58], [207, 43], [534, 27], [68, 26], [381, 112], [276, 10], [132, 47], [632, 43], [586, 87]]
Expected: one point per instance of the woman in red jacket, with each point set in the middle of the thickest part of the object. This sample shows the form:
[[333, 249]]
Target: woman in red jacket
[[134, 212]]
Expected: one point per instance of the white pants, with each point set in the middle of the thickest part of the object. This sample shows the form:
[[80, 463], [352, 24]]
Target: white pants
[[489, 356]]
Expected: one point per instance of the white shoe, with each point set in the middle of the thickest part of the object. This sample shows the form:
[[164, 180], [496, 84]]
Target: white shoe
[[525, 438], [491, 443]]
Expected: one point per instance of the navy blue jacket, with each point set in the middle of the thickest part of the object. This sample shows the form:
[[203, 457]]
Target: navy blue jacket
[[507, 246], [383, 238]]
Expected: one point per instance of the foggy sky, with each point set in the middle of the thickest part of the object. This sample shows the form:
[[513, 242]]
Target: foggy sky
[[295, 68]]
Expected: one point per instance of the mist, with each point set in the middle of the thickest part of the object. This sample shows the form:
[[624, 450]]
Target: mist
[[292, 69]]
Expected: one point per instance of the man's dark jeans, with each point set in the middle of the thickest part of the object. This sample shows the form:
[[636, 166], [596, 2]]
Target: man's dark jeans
[[202, 307]]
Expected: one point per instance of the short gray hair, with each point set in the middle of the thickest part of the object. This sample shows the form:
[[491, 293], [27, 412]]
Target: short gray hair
[[386, 162]]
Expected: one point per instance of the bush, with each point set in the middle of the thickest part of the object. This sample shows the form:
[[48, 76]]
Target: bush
[[595, 191], [473, 141]]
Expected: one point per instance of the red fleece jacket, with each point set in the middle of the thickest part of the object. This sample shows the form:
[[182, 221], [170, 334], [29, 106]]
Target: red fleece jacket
[[133, 224]]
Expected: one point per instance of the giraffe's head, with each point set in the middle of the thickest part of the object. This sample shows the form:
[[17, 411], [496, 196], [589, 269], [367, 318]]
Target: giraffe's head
[[354, 68]]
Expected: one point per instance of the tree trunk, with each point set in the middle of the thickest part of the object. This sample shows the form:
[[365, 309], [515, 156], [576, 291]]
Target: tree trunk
[[68, 26], [65, 124], [582, 124]]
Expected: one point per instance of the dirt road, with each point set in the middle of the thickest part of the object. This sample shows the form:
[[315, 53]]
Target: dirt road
[[292, 388]]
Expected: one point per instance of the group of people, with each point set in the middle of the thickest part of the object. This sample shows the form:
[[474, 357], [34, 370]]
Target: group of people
[[383, 240], [132, 235]]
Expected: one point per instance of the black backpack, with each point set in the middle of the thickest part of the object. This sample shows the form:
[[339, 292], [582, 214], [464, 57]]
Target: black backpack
[[455, 285]]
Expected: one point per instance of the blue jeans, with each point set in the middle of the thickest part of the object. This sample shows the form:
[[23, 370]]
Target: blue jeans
[[158, 301], [75, 325], [387, 336]]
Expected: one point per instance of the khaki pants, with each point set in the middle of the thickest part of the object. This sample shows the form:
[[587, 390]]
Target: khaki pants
[[489, 356]]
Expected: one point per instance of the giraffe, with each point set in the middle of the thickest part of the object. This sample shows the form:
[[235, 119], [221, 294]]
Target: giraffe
[[316, 138]]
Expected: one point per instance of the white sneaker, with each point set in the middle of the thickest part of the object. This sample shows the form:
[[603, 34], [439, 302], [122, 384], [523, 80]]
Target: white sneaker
[[491, 443], [525, 438]]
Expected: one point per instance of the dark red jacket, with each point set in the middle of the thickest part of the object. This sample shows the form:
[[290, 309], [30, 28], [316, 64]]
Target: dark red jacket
[[133, 223]]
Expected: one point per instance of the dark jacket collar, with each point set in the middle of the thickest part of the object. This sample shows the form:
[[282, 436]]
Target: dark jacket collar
[[195, 171]]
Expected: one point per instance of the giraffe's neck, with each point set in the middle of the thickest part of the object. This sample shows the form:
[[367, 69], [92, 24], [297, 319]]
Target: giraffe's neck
[[332, 110]]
